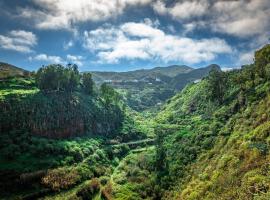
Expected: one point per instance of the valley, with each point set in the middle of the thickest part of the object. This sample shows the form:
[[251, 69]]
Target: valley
[[168, 133]]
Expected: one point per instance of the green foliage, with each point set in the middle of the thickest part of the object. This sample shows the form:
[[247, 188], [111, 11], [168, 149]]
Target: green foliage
[[87, 83], [60, 178], [89, 191], [57, 114], [220, 151], [57, 77], [109, 94], [217, 85], [262, 61], [148, 89], [134, 178]]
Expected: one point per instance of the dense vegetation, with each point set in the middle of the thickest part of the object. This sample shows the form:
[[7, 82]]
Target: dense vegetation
[[148, 89], [210, 141], [62, 105], [220, 149], [59, 102]]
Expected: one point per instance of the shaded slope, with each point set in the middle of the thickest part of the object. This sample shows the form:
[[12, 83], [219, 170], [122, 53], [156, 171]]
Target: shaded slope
[[180, 81], [8, 70]]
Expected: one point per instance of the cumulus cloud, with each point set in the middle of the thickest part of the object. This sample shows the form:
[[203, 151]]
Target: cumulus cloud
[[58, 14], [246, 58], [18, 40], [183, 9], [242, 18], [75, 59], [144, 41], [47, 58]]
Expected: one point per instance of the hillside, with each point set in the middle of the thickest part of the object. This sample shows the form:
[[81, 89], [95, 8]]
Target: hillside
[[181, 80], [53, 131], [7, 70], [217, 148], [148, 89]]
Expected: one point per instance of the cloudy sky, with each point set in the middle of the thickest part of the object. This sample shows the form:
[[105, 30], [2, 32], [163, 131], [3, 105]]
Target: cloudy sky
[[122, 35]]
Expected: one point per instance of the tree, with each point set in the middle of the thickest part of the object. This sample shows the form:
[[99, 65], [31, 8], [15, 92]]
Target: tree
[[262, 59], [217, 85], [49, 77], [58, 77], [109, 94], [87, 83], [73, 77]]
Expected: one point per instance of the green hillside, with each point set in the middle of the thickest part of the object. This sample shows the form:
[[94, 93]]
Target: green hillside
[[148, 89], [221, 147], [63, 137]]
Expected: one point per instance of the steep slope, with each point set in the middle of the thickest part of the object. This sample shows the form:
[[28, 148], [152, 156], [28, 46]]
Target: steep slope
[[56, 114], [212, 149], [53, 140], [7, 70], [180, 81]]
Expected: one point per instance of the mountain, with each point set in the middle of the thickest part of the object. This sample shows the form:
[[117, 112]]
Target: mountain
[[209, 141], [142, 74], [217, 148], [180, 81], [8, 70], [149, 88]]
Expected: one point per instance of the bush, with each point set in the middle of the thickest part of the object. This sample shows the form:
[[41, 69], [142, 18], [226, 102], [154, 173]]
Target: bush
[[61, 178], [90, 190]]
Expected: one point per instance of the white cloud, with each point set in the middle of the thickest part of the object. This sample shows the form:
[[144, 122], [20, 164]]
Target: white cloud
[[226, 69], [183, 9], [75, 59], [18, 40], [58, 14], [46, 58], [142, 41], [246, 58], [241, 18]]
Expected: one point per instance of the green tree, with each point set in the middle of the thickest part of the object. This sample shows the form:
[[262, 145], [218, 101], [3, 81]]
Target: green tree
[[262, 59], [49, 77], [87, 83], [58, 77], [217, 85], [109, 94], [73, 77]]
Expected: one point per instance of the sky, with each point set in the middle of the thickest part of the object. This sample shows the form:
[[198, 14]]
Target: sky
[[123, 35]]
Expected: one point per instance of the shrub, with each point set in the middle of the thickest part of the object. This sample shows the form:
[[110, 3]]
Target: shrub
[[61, 178], [106, 193], [89, 190]]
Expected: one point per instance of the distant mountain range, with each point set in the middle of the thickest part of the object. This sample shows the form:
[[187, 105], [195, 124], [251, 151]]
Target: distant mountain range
[[175, 75], [146, 88], [180, 80], [157, 72]]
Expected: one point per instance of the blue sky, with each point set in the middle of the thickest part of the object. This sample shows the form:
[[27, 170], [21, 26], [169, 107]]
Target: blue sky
[[122, 35]]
